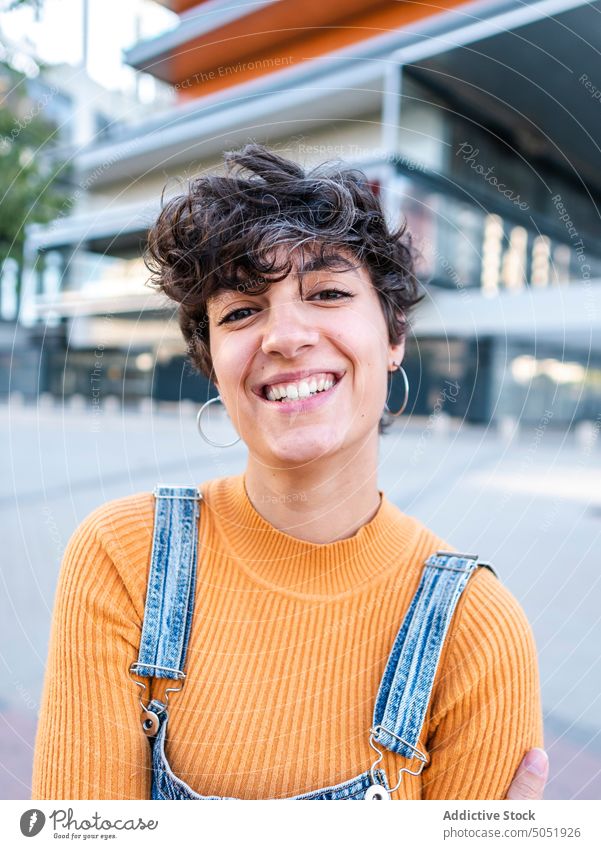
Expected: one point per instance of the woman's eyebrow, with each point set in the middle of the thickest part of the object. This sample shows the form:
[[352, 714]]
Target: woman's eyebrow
[[319, 263]]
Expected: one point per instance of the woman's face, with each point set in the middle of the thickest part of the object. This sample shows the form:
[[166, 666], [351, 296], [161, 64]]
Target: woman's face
[[265, 345]]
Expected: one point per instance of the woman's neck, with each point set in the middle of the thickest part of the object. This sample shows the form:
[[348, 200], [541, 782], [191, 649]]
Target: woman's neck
[[318, 505]]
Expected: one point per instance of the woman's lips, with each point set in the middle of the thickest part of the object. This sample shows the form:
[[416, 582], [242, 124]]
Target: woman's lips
[[302, 405]]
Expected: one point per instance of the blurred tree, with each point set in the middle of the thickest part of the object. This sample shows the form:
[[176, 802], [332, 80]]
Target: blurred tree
[[28, 164]]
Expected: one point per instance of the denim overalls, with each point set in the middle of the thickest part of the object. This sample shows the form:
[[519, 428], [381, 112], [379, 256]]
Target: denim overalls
[[406, 685]]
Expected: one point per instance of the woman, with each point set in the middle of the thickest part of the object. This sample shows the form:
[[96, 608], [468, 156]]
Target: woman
[[293, 298]]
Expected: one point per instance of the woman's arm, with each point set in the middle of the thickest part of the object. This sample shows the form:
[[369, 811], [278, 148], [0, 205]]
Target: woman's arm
[[486, 712], [89, 743]]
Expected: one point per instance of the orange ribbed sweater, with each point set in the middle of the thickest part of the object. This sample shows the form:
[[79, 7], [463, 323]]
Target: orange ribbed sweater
[[289, 642]]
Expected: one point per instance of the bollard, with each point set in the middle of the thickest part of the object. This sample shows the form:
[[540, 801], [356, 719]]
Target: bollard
[[112, 404], [46, 400], [441, 424], [585, 435], [17, 399], [77, 402], [508, 427], [187, 408]]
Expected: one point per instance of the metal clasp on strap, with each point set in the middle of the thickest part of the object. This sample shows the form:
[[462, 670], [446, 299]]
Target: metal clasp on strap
[[451, 554], [460, 568], [150, 722], [157, 494], [423, 758], [178, 673]]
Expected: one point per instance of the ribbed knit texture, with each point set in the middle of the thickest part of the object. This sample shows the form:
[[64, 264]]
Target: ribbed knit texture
[[289, 642]]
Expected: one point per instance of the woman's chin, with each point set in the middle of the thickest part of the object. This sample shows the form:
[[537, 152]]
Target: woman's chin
[[312, 444]]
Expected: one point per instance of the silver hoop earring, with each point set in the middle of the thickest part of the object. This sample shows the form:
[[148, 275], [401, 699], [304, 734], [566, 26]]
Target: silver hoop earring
[[199, 425], [406, 382]]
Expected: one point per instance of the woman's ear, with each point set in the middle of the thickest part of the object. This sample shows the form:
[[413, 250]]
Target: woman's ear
[[397, 352]]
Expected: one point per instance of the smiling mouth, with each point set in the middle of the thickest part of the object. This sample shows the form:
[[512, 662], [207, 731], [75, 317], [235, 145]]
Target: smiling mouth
[[303, 391]]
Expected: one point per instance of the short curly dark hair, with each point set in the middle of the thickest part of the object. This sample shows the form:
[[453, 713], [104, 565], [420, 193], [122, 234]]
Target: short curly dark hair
[[223, 233]]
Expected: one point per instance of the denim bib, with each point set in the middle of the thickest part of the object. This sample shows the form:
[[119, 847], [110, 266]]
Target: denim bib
[[405, 689]]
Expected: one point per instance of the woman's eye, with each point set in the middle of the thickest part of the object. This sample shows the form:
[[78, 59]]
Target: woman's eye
[[340, 292], [234, 315]]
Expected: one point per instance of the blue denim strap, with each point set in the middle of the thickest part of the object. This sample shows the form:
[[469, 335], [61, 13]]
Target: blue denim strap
[[171, 583], [406, 685]]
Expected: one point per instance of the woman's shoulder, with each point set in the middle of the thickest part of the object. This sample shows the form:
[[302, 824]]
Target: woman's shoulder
[[119, 523], [488, 618], [490, 634], [487, 604], [109, 550]]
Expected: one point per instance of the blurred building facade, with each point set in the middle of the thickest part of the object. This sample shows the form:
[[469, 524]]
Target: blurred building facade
[[78, 111], [468, 121]]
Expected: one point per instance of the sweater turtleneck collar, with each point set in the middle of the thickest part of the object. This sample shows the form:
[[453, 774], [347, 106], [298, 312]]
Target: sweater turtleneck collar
[[284, 563]]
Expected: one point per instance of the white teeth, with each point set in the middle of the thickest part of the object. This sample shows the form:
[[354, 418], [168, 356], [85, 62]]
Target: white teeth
[[302, 389]]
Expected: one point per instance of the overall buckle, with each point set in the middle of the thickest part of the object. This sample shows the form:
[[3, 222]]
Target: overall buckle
[[421, 756], [154, 708]]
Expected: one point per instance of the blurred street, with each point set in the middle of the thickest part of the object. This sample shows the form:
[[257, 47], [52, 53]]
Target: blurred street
[[530, 504]]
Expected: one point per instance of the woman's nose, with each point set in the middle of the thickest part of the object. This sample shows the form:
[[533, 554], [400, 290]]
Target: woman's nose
[[288, 330]]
